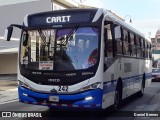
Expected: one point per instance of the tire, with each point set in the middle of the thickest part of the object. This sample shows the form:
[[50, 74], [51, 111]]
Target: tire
[[141, 92], [118, 98], [53, 109]]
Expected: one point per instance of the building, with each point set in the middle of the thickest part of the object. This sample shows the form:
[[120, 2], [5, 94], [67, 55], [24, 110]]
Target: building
[[156, 49], [14, 14]]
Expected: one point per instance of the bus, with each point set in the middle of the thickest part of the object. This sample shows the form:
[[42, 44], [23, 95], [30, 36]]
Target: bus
[[80, 58]]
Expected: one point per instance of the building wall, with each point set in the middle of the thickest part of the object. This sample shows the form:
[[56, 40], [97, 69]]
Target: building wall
[[14, 13], [57, 6], [8, 63]]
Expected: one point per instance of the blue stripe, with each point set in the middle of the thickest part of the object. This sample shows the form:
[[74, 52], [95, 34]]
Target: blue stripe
[[110, 86]]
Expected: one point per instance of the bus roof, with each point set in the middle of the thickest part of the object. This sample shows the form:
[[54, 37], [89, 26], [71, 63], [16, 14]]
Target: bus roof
[[118, 20], [96, 13]]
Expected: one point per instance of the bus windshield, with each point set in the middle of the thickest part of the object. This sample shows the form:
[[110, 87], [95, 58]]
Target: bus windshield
[[64, 49]]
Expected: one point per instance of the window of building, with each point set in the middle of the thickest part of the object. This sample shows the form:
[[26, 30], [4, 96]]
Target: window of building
[[158, 40], [57, 7]]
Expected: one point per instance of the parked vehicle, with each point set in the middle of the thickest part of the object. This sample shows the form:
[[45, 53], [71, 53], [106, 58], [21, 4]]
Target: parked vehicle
[[155, 74]]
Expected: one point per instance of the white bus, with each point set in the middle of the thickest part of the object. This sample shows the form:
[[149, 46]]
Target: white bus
[[80, 58]]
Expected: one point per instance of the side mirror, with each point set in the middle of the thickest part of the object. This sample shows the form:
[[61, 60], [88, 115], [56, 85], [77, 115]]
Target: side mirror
[[105, 67], [25, 39], [8, 33]]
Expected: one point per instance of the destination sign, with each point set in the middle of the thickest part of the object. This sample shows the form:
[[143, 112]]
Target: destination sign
[[60, 18]]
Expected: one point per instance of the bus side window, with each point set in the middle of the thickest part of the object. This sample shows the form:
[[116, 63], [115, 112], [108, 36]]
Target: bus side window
[[133, 44], [143, 48], [108, 42], [150, 53], [126, 50], [139, 53], [118, 39]]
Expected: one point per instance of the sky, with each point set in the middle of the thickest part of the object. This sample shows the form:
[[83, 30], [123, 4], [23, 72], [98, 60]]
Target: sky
[[144, 13]]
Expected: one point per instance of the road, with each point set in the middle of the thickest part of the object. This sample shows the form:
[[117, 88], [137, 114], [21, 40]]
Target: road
[[149, 102]]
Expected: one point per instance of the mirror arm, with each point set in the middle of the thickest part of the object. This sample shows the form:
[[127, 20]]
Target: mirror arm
[[9, 30], [18, 26]]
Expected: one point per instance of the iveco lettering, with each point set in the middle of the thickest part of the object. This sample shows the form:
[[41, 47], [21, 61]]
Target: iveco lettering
[[80, 58]]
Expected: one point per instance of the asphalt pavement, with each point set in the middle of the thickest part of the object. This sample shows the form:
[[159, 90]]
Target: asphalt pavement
[[8, 88]]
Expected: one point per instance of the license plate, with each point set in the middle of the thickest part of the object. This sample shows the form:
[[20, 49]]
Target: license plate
[[54, 98]]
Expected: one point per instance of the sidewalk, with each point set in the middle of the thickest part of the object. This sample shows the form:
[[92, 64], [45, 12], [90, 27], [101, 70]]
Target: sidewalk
[[8, 95], [8, 88], [8, 84]]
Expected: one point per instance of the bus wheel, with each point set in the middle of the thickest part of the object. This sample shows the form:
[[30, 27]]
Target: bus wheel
[[117, 98], [141, 92], [53, 109]]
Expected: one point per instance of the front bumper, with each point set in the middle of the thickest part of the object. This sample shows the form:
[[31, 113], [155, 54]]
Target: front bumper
[[156, 77], [65, 101]]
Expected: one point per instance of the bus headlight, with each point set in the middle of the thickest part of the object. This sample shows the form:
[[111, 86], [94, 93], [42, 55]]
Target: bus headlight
[[92, 86], [20, 83], [89, 98]]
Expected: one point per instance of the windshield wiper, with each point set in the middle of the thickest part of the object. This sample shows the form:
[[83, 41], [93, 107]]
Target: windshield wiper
[[68, 36], [43, 37]]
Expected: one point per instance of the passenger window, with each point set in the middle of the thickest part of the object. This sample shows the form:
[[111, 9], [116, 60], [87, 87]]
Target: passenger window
[[143, 48], [148, 50], [140, 49], [109, 42], [142, 43], [125, 35], [126, 50], [137, 41], [133, 45], [118, 39]]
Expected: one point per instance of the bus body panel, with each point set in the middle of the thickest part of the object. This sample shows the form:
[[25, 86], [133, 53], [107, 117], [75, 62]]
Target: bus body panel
[[132, 80]]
